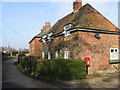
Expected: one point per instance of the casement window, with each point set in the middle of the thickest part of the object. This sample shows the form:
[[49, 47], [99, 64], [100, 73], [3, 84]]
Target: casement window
[[44, 38], [56, 54], [49, 36], [43, 55], [67, 33], [66, 54], [114, 54], [66, 27], [49, 55]]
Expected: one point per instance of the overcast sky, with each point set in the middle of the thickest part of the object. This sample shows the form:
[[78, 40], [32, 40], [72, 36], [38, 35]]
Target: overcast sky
[[20, 21]]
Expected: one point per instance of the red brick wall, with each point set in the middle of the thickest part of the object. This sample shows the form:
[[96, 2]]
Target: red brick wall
[[89, 46], [77, 4], [98, 49], [35, 47]]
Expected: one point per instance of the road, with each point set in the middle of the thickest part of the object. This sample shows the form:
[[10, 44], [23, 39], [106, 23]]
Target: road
[[13, 78]]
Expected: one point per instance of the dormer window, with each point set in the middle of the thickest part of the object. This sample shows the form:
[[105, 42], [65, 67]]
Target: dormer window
[[44, 38], [67, 33], [49, 36], [68, 26]]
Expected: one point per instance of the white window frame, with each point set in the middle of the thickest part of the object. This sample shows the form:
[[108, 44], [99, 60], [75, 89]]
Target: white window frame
[[56, 54], [43, 38], [43, 55], [49, 55], [66, 54], [49, 36], [66, 27], [67, 33], [115, 54]]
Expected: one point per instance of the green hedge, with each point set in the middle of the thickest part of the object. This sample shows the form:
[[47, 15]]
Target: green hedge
[[20, 57], [54, 69]]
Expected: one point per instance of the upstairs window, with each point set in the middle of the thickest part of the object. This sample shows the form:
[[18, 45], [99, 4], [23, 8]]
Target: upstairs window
[[44, 38], [68, 26], [49, 36], [67, 33], [66, 54]]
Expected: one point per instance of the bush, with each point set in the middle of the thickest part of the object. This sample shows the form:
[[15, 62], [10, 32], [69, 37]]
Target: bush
[[68, 69], [62, 69], [54, 69], [20, 57]]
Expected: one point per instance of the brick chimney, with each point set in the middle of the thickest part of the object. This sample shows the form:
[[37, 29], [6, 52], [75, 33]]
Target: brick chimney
[[46, 26], [77, 4]]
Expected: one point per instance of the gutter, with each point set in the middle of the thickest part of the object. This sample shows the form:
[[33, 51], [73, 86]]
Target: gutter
[[94, 31]]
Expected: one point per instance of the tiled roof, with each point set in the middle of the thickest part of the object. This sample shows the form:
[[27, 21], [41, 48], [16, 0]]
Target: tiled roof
[[40, 34], [85, 17]]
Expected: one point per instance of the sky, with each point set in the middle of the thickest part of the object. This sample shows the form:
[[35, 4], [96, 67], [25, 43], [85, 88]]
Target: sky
[[21, 21]]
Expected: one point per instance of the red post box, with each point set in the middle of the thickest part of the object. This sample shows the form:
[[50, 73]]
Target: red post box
[[87, 59]]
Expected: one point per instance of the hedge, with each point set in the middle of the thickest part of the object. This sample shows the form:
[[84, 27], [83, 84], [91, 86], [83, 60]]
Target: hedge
[[54, 69], [20, 57]]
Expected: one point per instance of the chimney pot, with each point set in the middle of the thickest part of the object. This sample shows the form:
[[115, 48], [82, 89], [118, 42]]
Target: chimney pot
[[77, 4]]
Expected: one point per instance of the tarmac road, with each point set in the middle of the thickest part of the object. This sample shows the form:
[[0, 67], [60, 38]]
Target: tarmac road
[[12, 77]]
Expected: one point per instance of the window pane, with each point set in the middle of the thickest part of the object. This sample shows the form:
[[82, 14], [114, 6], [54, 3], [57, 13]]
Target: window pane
[[115, 50], [112, 50]]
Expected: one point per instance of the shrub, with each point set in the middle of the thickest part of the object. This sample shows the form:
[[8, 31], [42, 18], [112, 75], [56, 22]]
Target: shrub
[[68, 69], [54, 69], [62, 69], [20, 57]]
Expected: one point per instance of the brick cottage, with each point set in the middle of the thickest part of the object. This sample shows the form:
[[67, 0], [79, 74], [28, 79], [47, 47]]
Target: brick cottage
[[82, 33]]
